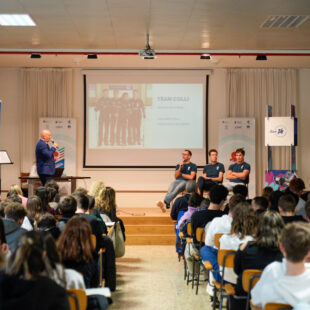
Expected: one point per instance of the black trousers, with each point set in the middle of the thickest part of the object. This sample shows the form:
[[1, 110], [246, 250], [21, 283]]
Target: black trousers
[[45, 177], [204, 184]]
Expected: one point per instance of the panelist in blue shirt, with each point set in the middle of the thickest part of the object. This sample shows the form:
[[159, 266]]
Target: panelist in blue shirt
[[184, 171], [212, 173], [238, 173], [45, 157]]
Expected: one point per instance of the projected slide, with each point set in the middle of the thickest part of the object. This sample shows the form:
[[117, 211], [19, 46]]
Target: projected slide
[[151, 116]]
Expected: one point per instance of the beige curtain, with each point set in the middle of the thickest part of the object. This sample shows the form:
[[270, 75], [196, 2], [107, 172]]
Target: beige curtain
[[249, 91], [46, 93]]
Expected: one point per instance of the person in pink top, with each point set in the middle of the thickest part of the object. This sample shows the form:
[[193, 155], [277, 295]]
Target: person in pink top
[[17, 189]]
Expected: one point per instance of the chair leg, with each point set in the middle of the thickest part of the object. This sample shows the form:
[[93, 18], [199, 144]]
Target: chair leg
[[214, 298], [198, 278], [193, 275]]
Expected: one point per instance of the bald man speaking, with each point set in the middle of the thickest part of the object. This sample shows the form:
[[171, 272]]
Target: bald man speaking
[[45, 157]]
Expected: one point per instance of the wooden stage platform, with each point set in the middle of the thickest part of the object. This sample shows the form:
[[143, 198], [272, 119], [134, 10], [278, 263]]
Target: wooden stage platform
[[147, 226]]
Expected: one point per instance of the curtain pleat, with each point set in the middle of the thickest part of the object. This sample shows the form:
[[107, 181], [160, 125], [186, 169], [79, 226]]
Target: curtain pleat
[[249, 91]]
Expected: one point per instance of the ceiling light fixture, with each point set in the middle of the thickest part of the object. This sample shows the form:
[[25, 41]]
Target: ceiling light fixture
[[205, 56], [16, 20], [35, 56], [92, 56], [148, 52], [261, 57]]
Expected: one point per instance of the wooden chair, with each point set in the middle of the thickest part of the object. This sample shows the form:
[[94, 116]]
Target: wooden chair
[[217, 238], [249, 279], [93, 241], [77, 299], [200, 237], [225, 259], [276, 306]]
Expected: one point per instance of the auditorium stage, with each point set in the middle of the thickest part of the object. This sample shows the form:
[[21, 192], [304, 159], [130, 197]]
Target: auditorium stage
[[147, 226]]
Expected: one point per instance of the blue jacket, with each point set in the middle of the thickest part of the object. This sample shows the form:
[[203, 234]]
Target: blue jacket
[[45, 158]]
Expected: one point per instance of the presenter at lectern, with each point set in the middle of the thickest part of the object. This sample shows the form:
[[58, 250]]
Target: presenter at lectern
[[45, 157]]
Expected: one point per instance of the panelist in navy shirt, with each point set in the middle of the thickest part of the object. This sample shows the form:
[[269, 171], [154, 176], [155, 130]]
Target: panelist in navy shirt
[[238, 173], [184, 171], [212, 173], [45, 157]]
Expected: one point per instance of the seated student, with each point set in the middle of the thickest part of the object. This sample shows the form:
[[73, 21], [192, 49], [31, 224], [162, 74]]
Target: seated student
[[34, 212], [259, 204], [243, 229], [23, 286], [212, 173], [52, 184], [67, 206], [241, 190], [238, 173], [42, 193], [184, 171], [76, 248], [259, 253], [14, 217], [19, 192], [193, 203], [106, 205], [267, 191], [274, 200], [296, 187], [288, 281], [47, 223], [202, 217], [219, 225], [287, 208], [181, 203], [13, 196], [80, 203]]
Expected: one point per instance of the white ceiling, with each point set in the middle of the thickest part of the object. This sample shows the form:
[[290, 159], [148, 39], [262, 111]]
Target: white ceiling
[[194, 25]]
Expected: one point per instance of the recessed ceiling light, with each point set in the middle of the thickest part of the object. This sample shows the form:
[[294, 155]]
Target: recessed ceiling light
[[16, 20]]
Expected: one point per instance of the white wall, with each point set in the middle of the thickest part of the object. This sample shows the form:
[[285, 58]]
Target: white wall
[[138, 179]]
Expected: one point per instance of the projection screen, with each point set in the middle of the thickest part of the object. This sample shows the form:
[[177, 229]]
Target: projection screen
[[144, 118]]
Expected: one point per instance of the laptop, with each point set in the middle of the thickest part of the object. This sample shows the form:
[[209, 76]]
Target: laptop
[[58, 172]]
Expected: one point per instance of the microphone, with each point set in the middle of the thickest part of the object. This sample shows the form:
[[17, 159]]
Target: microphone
[[53, 141]]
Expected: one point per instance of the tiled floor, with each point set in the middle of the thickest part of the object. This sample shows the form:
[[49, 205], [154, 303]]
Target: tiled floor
[[150, 277]]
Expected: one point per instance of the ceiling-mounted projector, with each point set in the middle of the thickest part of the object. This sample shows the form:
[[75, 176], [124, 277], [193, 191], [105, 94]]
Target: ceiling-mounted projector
[[147, 53]]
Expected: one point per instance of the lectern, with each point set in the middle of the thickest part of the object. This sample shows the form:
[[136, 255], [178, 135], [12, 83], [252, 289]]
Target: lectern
[[4, 160]]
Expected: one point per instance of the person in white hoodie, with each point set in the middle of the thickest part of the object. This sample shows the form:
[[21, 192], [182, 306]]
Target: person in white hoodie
[[287, 282]]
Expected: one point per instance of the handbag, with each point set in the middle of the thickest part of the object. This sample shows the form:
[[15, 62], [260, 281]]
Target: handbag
[[117, 237]]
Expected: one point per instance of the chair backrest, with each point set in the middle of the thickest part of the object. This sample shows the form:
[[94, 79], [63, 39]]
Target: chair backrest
[[93, 241], [80, 296], [200, 234], [225, 258], [217, 240], [276, 306], [189, 229], [249, 278]]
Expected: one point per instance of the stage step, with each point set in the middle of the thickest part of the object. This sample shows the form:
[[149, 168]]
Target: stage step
[[159, 239], [148, 229]]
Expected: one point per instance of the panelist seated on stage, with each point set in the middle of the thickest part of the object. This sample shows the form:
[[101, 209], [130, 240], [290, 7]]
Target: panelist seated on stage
[[184, 172], [238, 173], [45, 157], [212, 173]]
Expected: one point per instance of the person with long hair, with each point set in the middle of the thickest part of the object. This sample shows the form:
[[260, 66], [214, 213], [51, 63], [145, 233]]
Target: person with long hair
[[105, 203], [23, 286], [260, 252], [243, 229], [76, 248], [34, 211], [16, 188]]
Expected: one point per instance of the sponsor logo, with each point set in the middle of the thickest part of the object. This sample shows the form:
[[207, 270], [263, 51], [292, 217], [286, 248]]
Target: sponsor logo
[[280, 131]]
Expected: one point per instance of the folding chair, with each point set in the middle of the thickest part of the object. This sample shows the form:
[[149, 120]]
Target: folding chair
[[217, 238], [77, 299], [225, 259], [276, 306]]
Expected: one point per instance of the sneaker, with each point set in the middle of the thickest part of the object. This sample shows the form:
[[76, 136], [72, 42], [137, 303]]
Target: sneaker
[[216, 301], [161, 205]]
